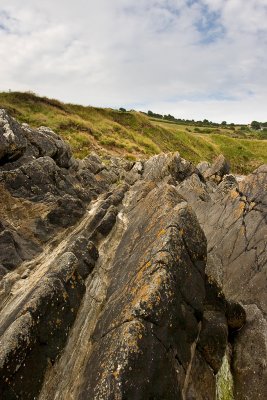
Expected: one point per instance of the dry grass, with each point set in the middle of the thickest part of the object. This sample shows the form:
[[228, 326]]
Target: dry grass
[[133, 134]]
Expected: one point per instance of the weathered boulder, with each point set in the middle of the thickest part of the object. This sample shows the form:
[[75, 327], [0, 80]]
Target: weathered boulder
[[213, 338], [67, 212], [203, 166], [12, 140], [218, 169], [47, 143], [9, 255], [236, 316], [164, 165]]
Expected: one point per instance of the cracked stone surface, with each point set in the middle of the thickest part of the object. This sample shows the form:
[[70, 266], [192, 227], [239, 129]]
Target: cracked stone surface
[[124, 280], [233, 216]]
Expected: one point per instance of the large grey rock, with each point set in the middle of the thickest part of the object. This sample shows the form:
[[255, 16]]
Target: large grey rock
[[164, 165], [12, 140], [250, 355], [218, 169], [31, 342], [153, 312], [233, 217], [49, 144], [203, 166]]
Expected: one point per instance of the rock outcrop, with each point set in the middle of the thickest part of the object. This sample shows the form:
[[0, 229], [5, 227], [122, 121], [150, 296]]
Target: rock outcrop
[[124, 280], [233, 217]]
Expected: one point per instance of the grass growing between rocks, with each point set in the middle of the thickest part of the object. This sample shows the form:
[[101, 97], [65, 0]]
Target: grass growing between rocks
[[224, 382], [132, 134]]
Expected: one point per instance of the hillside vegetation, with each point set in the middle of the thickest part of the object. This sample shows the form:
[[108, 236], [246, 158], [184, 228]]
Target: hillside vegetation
[[133, 134]]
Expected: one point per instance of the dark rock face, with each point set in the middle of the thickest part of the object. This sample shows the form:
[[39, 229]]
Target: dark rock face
[[233, 217], [40, 330], [250, 354], [68, 211], [9, 250], [116, 282]]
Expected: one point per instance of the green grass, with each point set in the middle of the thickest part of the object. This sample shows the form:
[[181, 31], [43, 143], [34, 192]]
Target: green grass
[[133, 135]]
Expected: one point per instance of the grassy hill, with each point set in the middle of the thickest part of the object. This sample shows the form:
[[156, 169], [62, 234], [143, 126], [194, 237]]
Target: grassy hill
[[133, 134]]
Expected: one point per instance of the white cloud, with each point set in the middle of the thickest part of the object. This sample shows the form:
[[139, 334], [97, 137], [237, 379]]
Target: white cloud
[[194, 59]]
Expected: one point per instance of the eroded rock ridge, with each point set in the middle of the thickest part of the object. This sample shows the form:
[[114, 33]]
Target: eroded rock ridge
[[128, 280]]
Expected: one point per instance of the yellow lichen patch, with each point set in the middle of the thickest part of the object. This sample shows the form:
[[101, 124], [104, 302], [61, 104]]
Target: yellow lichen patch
[[242, 229], [143, 293], [98, 178], [240, 209], [133, 332], [65, 296], [252, 205], [140, 273], [149, 294], [147, 265], [234, 194], [116, 373], [161, 232]]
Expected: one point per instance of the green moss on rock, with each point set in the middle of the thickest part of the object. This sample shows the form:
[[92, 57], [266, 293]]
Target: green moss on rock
[[224, 381]]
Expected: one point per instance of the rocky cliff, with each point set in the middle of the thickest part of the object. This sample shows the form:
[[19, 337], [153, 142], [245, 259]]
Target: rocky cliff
[[124, 280]]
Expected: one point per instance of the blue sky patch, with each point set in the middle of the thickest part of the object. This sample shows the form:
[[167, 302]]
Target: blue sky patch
[[210, 26]]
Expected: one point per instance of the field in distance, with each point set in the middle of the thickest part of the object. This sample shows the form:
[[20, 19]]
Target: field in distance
[[135, 135]]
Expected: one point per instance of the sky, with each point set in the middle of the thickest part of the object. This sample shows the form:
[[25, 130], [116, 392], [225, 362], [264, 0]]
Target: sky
[[193, 59]]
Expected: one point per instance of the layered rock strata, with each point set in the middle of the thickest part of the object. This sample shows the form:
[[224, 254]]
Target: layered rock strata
[[233, 216], [107, 290]]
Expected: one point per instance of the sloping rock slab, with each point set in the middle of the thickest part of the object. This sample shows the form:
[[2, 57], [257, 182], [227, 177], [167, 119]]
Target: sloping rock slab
[[143, 338]]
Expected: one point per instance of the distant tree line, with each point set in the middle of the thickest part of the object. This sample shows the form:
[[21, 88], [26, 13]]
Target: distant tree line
[[170, 117], [257, 126]]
